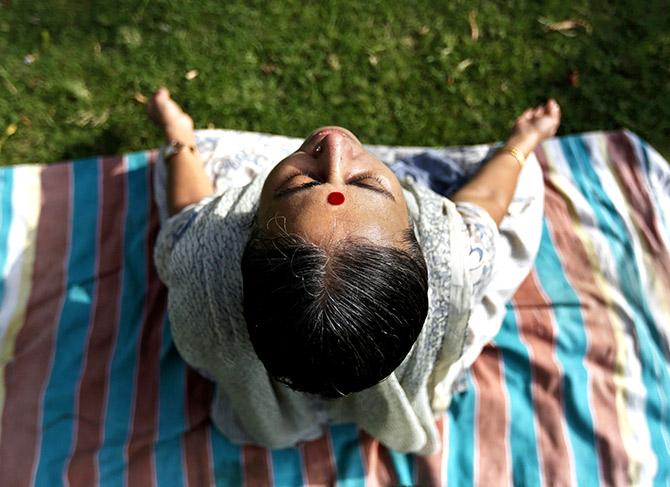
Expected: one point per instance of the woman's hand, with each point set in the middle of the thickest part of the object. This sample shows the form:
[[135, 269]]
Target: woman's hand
[[177, 125], [493, 186], [187, 182], [534, 125]]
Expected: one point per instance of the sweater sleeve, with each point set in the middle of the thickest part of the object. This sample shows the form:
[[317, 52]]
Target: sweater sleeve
[[483, 232], [171, 231]]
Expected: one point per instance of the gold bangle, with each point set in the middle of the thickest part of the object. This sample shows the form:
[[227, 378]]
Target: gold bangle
[[174, 147], [516, 153]]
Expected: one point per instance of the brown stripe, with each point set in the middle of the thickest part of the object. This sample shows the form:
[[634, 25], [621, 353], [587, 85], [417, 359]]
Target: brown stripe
[[378, 465], [429, 468], [25, 376], [536, 325], [256, 466], [627, 167], [92, 397], [197, 453], [141, 466], [600, 359], [317, 456], [492, 422]]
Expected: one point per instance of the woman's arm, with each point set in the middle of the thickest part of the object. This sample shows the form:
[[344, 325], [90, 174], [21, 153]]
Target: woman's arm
[[493, 186], [187, 182]]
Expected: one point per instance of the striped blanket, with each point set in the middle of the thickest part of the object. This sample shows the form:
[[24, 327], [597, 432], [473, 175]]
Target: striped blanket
[[574, 390]]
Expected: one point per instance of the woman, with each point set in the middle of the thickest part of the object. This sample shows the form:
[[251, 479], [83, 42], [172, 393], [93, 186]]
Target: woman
[[326, 290]]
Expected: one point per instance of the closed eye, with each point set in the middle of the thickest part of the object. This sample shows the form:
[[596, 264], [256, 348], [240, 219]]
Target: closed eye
[[372, 187], [366, 181], [295, 189], [364, 177]]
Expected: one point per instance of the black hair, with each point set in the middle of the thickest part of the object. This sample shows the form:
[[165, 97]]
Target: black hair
[[337, 320]]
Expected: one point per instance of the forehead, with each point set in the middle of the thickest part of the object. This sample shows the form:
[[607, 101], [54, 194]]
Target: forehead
[[308, 214]]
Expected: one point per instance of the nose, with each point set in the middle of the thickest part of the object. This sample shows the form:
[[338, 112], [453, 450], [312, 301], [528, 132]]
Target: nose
[[336, 153]]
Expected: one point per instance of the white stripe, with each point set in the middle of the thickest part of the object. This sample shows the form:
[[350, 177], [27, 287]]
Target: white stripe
[[658, 181], [634, 427], [25, 202], [508, 421], [604, 169], [649, 280]]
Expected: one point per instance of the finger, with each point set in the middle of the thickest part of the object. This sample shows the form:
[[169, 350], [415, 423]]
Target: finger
[[161, 96], [553, 110]]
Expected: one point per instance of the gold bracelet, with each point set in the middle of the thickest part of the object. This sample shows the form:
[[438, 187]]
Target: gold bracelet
[[516, 153], [173, 147]]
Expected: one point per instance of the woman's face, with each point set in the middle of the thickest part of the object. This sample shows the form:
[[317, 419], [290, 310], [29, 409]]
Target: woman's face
[[295, 194]]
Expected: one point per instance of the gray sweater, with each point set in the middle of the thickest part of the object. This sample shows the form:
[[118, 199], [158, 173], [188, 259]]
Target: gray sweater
[[198, 256]]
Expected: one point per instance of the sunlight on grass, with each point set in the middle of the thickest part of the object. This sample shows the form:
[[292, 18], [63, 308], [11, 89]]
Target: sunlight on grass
[[74, 76]]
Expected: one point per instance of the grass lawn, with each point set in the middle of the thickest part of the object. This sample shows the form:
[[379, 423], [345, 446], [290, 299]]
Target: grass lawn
[[73, 74]]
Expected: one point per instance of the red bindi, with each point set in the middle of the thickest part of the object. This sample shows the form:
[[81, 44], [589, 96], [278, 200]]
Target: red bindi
[[336, 198]]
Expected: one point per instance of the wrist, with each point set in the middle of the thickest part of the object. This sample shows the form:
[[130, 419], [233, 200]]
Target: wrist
[[179, 134], [526, 142], [173, 148]]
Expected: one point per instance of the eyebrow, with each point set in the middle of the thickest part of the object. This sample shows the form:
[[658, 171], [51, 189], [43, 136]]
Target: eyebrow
[[282, 193]]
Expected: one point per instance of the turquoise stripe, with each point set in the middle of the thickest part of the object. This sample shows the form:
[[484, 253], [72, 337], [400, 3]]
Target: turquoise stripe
[[122, 372], [404, 467], [70, 342], [571, 348], [171, 414], [6, 187], [462, 437], [227, 459], [286, 467], [518, 383], [655, 374], [344, 439]]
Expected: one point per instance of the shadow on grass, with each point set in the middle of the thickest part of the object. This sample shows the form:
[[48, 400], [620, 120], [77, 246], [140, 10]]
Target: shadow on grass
[[109, 142]]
